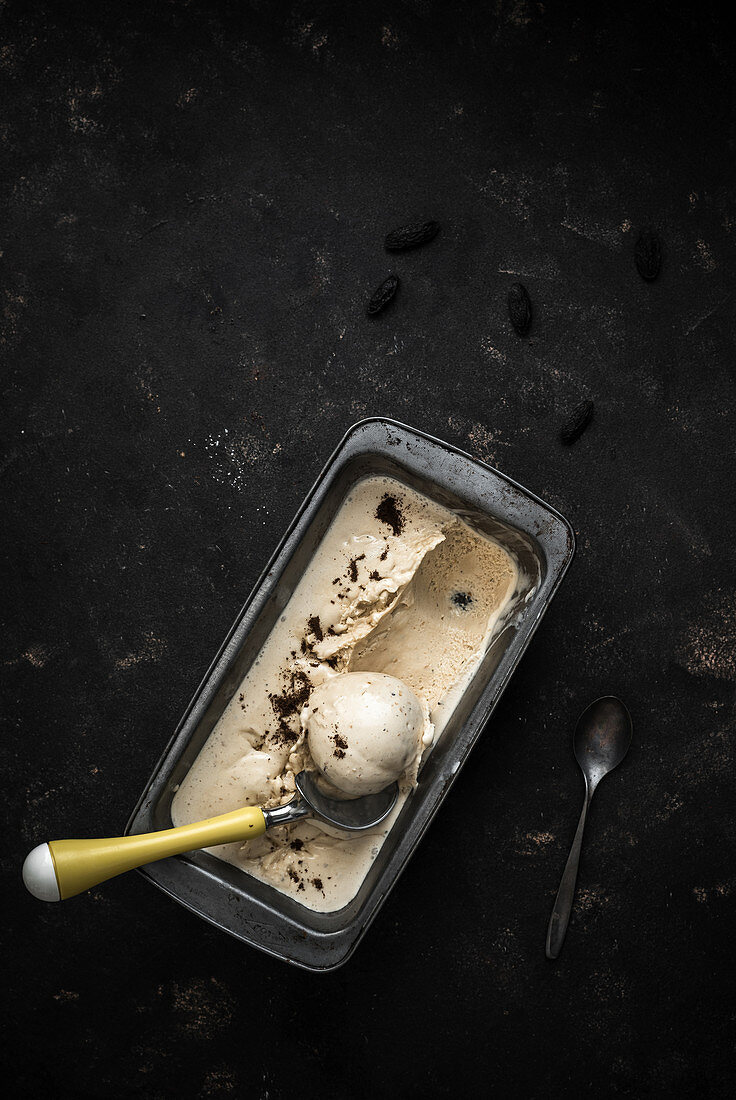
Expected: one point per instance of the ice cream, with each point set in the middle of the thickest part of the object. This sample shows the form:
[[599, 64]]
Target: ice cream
[[399, 586], [364, 731]]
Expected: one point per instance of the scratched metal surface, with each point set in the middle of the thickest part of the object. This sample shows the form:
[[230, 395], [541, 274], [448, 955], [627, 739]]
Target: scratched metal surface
[[194, 198]]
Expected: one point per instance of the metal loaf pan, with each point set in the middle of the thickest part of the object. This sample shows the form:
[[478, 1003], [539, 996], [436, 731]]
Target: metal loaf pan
[[543, 543]]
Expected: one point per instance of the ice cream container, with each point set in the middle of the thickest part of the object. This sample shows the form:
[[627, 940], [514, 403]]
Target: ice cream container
[[542, 542]]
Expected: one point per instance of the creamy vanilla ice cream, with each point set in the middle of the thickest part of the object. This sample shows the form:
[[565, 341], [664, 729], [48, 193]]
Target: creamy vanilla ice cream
[[364, 730], [399, 589]]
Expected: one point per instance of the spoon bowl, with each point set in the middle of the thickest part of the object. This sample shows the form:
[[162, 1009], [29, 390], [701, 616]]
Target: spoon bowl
[[602, 738], [353, 814]]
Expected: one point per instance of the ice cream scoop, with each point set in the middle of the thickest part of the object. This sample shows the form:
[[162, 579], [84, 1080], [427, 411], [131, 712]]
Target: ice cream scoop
[[63, 868], [364, 729]]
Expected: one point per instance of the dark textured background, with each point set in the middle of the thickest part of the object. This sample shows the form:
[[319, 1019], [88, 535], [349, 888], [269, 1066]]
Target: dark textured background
[[194, 197]]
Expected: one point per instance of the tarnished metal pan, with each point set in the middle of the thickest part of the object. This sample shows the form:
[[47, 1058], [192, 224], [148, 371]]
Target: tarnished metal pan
[[543, 543]]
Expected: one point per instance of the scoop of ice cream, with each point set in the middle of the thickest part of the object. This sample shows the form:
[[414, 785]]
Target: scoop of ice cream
[[364, 730]]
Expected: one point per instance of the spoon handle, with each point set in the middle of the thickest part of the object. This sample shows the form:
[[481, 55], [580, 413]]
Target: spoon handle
[[563, 902], [63, 868]]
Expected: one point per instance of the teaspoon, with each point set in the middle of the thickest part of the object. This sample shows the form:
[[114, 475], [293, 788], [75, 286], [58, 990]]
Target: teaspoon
[[602, 739]]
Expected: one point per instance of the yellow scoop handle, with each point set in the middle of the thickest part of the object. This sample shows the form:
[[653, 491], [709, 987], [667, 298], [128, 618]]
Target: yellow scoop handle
[[63, 868]]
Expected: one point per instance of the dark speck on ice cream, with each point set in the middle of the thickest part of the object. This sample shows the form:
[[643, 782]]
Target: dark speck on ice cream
[[388, 512], [316, 627]]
